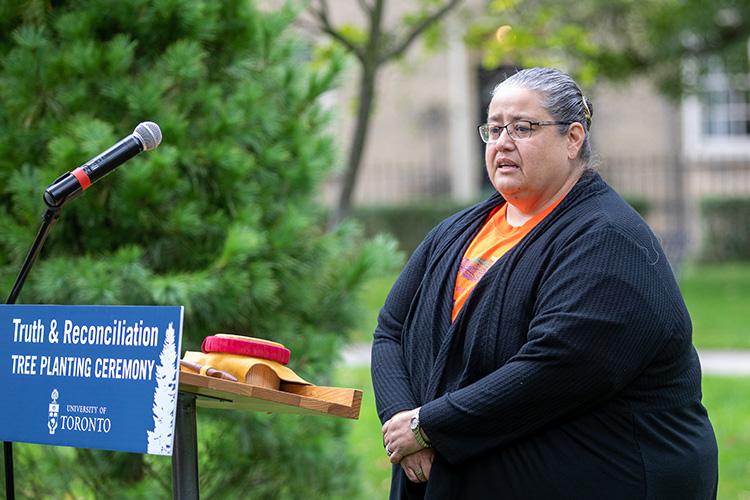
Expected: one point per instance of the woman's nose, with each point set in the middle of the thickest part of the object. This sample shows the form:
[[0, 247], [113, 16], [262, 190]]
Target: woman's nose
[[504, 141]]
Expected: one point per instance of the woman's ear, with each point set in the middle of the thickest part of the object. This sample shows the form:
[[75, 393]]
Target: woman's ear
[[576, 136]]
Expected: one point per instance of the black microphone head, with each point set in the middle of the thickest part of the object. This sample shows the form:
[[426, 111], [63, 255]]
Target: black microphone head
[[149, 134]]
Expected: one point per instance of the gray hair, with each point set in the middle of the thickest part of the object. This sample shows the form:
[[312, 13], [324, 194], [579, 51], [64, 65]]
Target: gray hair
[[562, 98]]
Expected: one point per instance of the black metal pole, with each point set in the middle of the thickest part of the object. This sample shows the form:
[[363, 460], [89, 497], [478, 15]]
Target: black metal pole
[[185, 452], [49, 218], [10, 491]]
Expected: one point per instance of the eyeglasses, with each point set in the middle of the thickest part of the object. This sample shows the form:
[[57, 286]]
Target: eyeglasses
[[518, 129]]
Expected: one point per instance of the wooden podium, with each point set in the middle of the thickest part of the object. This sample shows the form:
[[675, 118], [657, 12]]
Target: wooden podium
[[208, 392]]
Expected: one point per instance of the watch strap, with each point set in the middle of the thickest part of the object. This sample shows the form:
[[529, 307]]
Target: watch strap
[[416, 430], [420, 439]]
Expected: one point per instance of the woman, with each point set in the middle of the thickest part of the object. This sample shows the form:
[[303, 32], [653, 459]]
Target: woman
[[536, 345]]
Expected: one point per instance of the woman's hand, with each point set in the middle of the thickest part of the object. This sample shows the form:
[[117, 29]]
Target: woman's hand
[[398, 437], [417, 466]]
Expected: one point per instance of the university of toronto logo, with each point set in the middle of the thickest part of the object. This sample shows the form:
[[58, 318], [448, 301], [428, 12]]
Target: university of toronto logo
[[54, 409]]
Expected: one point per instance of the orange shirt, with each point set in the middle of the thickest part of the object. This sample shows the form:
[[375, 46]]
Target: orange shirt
[[492, 242]]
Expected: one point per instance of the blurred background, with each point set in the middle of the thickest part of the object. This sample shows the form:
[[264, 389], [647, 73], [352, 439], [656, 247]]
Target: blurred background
[[308, 147]]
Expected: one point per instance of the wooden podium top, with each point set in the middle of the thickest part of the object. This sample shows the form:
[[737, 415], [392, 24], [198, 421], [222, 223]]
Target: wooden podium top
[[290, 398]]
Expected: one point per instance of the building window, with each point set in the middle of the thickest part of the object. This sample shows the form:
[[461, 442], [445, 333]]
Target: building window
[[717, 120], [726, 106]]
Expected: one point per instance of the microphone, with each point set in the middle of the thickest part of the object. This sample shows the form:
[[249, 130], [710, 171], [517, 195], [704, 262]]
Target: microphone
[[146, 136]]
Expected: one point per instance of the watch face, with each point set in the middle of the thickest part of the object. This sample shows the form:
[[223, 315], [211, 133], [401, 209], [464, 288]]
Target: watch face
[[414, 422]]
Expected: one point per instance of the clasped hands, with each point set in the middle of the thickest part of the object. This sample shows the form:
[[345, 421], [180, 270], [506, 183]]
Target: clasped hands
[[402, 447]]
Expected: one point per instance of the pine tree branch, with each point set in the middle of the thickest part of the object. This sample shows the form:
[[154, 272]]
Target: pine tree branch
[[325, 25], [151, 472], [401, 47]]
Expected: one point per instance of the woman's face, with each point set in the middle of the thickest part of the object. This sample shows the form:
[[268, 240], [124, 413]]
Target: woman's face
[[529, 172]]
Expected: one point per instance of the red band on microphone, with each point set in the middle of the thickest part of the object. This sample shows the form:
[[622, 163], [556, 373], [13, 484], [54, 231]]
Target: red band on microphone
[[83, 179], [246, 348]]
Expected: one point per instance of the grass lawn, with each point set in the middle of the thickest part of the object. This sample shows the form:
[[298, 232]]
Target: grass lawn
[[718, 298], [727, 400], [365, 437]]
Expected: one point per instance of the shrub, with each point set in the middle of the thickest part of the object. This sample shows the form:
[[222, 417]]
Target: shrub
[[640, 205], [408, 223], [726, 229]]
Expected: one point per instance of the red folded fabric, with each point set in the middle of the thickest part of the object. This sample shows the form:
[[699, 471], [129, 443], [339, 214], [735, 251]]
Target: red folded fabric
[[247, 347]]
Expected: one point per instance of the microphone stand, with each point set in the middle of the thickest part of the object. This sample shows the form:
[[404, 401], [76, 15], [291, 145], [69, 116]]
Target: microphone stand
[[50, 216]]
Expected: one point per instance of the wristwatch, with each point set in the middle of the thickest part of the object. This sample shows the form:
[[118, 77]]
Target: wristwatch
[[414, 426]]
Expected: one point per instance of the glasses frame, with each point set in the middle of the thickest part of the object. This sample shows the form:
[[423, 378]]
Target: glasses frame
[[485, 127]]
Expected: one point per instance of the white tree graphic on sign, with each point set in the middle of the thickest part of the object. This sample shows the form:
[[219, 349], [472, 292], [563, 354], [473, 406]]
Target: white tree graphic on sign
[[160, 439]]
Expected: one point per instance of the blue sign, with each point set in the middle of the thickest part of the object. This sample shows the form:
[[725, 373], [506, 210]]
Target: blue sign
[[90, 376]]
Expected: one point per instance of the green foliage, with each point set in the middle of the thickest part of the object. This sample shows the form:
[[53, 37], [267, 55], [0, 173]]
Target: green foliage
[[639, 204], [433, 37], [276, 464], [354, 34], [615, 39], [726, 229], [408, 223], [221, 218]]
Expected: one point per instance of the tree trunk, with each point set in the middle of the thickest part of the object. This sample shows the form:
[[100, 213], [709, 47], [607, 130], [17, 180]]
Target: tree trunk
[[357, 147], [372, 56]]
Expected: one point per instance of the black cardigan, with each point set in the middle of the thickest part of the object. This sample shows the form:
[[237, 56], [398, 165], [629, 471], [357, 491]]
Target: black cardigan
[[568, 373]]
